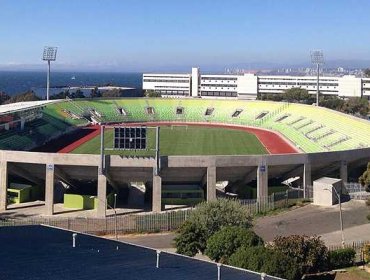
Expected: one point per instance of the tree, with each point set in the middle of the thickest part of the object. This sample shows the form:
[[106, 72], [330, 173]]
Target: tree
[[365, 178], [331, 102], [309, 253], [27, 96], [265, 260], [113, 93], [273, 97], [78, 94], [152, 93], [227, 240], [95, 92], [341, 258], [296, 95], [189, 239], [208, 218], [367, 72], [356, 105], [3, 97]]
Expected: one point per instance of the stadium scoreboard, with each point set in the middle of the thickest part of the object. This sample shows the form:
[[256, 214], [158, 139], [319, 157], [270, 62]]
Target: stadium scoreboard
[[130, 138]]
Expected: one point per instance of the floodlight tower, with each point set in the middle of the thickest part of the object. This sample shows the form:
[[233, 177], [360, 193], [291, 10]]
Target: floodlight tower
[[317, 57], [50, 54]]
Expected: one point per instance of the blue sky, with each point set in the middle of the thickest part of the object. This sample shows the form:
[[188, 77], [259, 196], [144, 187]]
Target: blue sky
[[141, 35]]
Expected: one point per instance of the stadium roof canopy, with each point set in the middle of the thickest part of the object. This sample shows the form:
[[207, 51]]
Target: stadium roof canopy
[[40, 252], [19, 106]]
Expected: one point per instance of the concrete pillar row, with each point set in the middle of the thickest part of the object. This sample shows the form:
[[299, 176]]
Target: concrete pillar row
[[262, 182], [307, 178], [101, 209], [211, 183], [157, 194], [49, 189], [344, 171], [3, 185]]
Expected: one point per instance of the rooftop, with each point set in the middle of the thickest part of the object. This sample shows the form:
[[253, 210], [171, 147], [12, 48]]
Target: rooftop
[[40, 252], [19, 106]]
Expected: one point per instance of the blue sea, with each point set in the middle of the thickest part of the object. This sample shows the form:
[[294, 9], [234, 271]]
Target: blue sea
[[12, 82]]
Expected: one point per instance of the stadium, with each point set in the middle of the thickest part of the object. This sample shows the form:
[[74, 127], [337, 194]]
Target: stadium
[[52, 151]]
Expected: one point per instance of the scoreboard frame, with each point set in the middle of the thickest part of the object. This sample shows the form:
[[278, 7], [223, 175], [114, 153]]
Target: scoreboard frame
[[130, 138]]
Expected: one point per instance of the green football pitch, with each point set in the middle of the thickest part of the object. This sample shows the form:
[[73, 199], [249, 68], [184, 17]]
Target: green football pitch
[[185, 140]]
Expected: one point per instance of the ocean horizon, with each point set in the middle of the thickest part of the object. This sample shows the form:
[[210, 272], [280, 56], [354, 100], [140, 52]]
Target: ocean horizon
[[16, 82]]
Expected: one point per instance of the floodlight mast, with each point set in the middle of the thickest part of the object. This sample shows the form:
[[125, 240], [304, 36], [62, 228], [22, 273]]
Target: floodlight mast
[[49, 54], [317, 57]]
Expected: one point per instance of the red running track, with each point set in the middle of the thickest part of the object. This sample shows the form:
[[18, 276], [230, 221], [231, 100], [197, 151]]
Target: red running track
[[272, 141], [95, 131]]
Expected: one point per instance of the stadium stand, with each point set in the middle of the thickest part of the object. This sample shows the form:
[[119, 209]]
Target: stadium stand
[[310, 128]]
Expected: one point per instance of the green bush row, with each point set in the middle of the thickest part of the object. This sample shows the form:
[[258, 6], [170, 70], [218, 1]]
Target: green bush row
[[341, 258]]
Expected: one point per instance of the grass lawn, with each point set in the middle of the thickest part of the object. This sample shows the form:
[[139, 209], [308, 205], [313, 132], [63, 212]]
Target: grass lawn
[[186, 140]]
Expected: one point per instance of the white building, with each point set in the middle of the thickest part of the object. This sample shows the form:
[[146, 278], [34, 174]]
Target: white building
[[247, 86], [168, 84]]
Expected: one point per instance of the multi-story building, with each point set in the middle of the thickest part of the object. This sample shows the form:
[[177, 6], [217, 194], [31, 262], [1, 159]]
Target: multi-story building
[[366, 87], [168, 84], [247, 86]]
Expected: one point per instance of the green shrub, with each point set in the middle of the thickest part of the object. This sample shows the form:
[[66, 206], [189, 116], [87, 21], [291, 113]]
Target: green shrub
[[205, 220], [189, 239], [341, 258], [227, 240], [265, 260], [309, 253], [368, 217]]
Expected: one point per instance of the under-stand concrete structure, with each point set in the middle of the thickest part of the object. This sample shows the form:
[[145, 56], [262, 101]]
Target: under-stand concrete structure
[[344, 171], [3, 184], [157, 194], [49, 189], [102, 196], [262, 182], [307, 178], [40, 168], [211, 183]]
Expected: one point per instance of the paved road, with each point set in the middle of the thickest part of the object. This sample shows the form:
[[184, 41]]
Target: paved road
[[313, 219], [155, 240], [307, 220], [353, 234]]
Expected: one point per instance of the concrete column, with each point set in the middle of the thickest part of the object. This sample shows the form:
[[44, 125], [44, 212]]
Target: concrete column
[[49, 189], [211, 183], [307, 179], [102, 196], [262, 182], [3, 185], [6, 126], [344, 171], [23, 121], [157, 194]]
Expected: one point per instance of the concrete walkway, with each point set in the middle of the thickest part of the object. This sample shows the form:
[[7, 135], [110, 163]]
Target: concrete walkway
[[353, 234], [317, 220]]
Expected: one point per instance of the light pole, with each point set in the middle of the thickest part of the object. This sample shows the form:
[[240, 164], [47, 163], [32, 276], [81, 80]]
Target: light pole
[[317, 58], [340, 213], [115, 201], [49, 54]]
